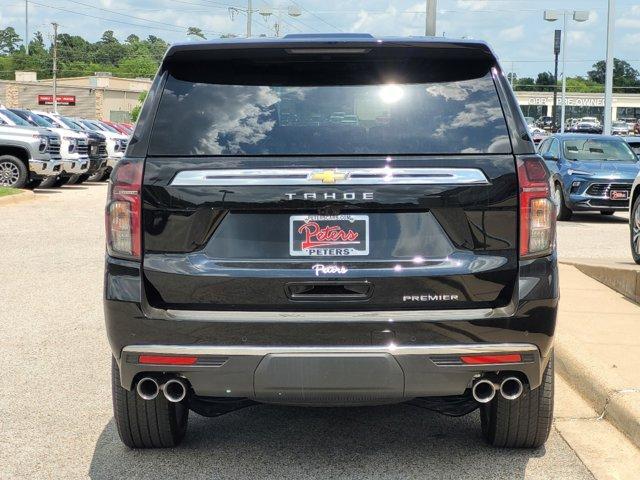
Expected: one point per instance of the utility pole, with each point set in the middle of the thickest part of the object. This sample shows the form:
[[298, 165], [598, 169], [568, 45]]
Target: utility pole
[[26, 26], [608, 76], [55, 67], [556, 51], [249, 12], [430, 22]]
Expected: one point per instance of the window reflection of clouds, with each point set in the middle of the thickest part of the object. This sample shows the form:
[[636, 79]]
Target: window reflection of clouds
[[225, 117], [209, 119]]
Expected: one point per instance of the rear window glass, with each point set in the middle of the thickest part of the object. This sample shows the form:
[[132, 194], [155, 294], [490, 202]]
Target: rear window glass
[[216, 116]]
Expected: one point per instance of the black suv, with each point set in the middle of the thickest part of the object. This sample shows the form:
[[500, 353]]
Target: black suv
[[331, 221]]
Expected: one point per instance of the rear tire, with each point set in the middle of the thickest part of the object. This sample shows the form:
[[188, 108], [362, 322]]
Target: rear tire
[[607, 212], [155, 423], [522, 423], [13, 172]]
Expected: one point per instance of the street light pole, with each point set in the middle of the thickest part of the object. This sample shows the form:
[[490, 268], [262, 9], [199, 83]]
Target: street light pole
[[26, 26], [249, 12], [608, 76], [564, 73], [55, 67], [430, 22], [557, 40]]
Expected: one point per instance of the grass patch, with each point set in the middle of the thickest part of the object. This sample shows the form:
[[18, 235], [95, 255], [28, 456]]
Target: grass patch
[[4, 191]]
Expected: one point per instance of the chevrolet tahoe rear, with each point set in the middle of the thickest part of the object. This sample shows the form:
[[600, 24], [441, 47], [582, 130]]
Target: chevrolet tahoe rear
[[331, 221]]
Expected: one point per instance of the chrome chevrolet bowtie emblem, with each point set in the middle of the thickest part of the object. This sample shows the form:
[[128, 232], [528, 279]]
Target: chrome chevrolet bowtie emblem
[[328, 176]]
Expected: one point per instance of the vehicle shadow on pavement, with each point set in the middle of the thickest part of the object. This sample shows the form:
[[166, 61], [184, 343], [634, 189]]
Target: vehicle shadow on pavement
[[44, 191], [597, 218], [265, 441]]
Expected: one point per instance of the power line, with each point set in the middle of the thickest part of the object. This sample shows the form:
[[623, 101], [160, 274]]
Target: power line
[[317, 16], [113, 12], [108, 19]]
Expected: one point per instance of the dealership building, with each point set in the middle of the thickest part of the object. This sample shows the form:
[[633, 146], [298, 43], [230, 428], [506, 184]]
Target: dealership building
[[538, 104], [101, 96]]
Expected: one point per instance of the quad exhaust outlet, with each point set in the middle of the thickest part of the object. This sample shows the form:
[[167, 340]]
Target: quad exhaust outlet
[[484, 390], [148, 388], [174, 389], [511, 388]]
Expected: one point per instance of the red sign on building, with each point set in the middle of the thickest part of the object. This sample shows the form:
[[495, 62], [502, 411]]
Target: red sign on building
[[62, 99]]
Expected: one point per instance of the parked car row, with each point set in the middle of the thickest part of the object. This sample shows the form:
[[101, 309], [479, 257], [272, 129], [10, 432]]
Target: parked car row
[[39, 148], [591, 172]]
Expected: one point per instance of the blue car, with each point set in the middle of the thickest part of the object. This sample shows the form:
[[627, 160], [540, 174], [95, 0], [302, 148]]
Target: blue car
[[589, 172]]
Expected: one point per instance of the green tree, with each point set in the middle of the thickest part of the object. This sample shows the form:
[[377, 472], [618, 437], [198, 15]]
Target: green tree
[[135, 111], [196, 32], [9, 40], [545, 81], [132, 39], [524, 84], [624, 75], [157, 47], [109, 50], [137, 67]]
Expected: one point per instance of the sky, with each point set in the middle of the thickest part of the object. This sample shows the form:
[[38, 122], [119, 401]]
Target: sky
[[514, 28]]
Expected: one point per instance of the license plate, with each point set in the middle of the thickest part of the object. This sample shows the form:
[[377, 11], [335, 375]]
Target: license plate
[[618, 195], [319, 236]]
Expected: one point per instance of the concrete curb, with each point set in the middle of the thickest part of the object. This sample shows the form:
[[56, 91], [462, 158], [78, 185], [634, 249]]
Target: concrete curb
[[624, 279], [23, 196], [621, 409], [597, 373]]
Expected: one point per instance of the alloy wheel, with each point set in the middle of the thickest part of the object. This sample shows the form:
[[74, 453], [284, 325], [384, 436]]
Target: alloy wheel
[[9, 174], [636, 229]]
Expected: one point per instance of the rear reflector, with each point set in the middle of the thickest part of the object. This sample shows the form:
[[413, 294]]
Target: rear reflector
[[491, 359], [167, 360]]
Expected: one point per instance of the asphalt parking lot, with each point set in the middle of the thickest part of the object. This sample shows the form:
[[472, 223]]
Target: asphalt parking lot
[[55, 404], [595, 237]]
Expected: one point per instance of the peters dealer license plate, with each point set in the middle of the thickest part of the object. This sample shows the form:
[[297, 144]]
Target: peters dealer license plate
[[619, 195], [318, 236]]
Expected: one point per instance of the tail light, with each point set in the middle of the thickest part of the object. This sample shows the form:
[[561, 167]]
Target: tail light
[[124, 210], [537, 212]]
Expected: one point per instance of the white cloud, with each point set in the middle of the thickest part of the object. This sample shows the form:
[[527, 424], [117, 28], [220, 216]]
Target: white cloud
[[628, 23], [631, 39], [580, 37], [513, 33], [472, 5]]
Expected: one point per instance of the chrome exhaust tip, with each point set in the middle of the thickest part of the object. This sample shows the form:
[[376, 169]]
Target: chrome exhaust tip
[[511, 388], [174, 390], [483, 390], [147, 388]]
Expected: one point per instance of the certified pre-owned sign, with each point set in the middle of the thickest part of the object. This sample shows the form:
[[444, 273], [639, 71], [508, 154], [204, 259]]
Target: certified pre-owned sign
[[62, 99]]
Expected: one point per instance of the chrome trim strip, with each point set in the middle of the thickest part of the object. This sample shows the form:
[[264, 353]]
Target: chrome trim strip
[[340, 317], [256, 350], [315, 176]]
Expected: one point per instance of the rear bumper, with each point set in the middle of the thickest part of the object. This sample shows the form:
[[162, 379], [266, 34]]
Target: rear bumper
[[330, 375]]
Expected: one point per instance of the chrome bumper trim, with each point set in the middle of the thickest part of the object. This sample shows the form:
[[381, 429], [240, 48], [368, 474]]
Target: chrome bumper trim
[[344, 317], [392, 349]]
